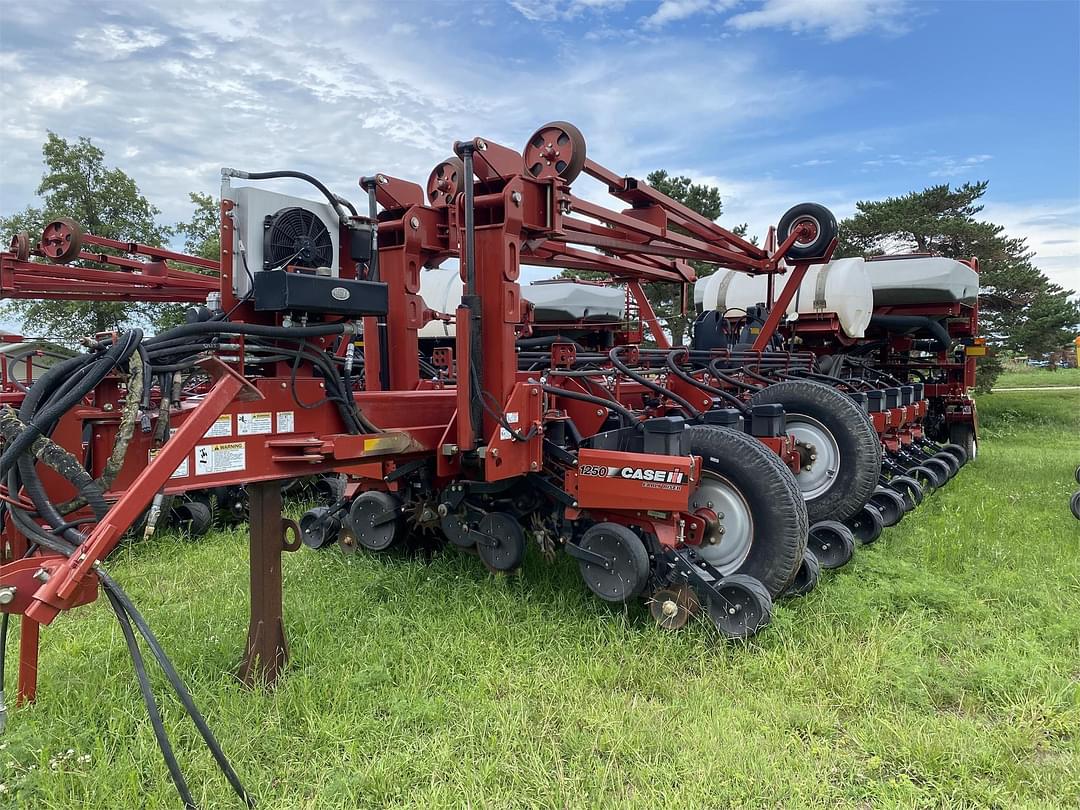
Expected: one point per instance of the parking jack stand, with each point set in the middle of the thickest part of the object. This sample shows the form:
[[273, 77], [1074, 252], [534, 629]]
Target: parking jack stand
[[267, 651]]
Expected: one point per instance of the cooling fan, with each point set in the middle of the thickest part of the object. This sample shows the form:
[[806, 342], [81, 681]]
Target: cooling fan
[[296, 236]]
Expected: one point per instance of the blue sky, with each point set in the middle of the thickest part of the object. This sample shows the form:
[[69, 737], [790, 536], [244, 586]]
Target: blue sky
[[776, 102]]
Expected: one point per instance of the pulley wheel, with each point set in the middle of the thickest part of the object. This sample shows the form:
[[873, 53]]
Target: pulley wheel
[[866, 526], [740, 607], [832, 543], [376, 520], [627, 562], [445, 181], [672, 607], [555, 150], [456, 528], [318, 528], [20, 246], [807, 577], [890, 504], [61, 240], [500, 541]]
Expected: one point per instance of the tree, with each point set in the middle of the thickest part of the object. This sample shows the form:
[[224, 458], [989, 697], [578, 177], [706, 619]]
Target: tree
[[666, 298], [1020, 309], [202, 233], [106, 202]]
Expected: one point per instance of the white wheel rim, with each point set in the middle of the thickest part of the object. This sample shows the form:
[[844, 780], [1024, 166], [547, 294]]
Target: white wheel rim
[[819, 474], [727, 543]]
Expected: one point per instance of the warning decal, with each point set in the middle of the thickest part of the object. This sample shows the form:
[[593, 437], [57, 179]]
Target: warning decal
[[286, 423], [250, 424], [180, 472], [220, 458], [222, 427]]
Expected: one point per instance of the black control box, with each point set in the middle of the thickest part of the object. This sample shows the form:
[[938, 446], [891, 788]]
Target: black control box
[[282, 291]]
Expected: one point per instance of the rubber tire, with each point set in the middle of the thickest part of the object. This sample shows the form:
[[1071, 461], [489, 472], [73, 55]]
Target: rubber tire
[[943, 470], [964, 435], [760, 613], [827, 231], [891, 504], [1076, 475], [1074, 505], [193, 517], [866, 526], [771, 493], [929, 479], [316, 530], [630, 545], [910, 490], [950, 461], [957, 451], [807, 578], [858, 443], [841, 544]]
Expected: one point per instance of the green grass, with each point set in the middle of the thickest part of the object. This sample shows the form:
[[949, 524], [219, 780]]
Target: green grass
[[1027, 377], [940, 669]]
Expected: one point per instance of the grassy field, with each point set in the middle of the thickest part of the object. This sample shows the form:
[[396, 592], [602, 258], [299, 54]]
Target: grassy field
[[940, 669], [1027, 377]]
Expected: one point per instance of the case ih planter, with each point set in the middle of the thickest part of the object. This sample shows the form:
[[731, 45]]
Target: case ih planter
[[668, 475]]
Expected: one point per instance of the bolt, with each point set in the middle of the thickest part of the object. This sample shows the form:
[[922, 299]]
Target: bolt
[[515, 198], [414, 222], [41, 575], [599, 411], [731, 611], [7, 595], [481, 144], [719, 515], [534, 466], [709, 504], [813, 456]]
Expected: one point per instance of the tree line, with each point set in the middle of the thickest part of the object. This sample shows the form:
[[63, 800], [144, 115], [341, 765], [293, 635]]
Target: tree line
[[1021, 310]]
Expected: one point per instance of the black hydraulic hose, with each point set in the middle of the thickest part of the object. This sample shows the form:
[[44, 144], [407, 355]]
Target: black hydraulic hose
[[611, 405], [729, 379], [547, 340], [727, 396], [912, 323], [656, 388], [332, 198]]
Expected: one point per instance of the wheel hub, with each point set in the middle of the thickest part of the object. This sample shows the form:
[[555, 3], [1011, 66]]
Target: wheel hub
[[729, 524], [819, 455]]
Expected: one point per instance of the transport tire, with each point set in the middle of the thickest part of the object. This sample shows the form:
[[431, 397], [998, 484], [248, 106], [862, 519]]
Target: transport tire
[[825, 230], [964, 436], [848, 464], [765, 524], [807, 578], [832, 543], [890, 504]]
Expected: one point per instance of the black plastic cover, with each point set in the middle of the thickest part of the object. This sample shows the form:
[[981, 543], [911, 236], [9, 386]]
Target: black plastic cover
[[281, 291]]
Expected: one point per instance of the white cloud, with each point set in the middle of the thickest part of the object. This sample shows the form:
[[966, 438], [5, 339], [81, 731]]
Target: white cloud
[[1052, 229], [117, 42], [837, 19], [674, 10]]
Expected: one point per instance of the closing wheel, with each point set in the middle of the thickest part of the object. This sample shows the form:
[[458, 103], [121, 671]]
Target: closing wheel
[[929, 479], [673, 606], [755, 516], [500, 541], [957, 451], [843, 453], [555, 150], [1076, 474], [627, 562], [867, 525], [807, 578], [1074, 505], [741, 607], [445, 181], [61, 240], [890, 504], [319, 528], [376, 520], [949, 460], [910, 490], [832, 543], [819, 229]]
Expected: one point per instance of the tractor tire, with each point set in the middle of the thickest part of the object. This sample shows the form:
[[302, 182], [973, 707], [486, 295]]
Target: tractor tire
[[767, 526], [963, 436], [840, 430]]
